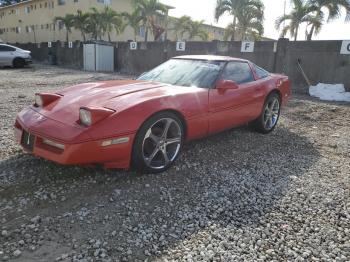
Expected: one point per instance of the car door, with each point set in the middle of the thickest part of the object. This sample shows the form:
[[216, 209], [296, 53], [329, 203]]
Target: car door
[[263, 80], [6, 55], [234, 107]]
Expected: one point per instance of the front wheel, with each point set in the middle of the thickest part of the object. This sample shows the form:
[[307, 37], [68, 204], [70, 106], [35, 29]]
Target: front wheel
[[18, 63], [269, 117], [158, 143]]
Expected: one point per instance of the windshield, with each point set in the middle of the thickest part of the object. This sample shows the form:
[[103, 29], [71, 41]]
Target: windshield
[[183, 72]]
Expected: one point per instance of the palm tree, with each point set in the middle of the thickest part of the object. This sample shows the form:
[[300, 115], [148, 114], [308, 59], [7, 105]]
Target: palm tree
[[110, 20], [196, 29], [230, 31], [94, 23], [300, 14], [316, 23], [133, 20], [181, 26], [68, 22], [80, 23], [235, 8], [334, 11], [250, 23], [149, 11]]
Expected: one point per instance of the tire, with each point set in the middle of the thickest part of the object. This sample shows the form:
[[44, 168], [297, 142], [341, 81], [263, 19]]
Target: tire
[[270, 115], [18, 62], [158, 143]]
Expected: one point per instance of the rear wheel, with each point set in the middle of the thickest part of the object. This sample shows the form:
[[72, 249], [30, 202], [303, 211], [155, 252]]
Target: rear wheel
[[158, 143], [269, 117], [18, 62]]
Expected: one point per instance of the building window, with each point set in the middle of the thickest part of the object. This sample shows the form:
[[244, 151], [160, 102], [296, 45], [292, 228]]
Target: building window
[[18, 30], [61, 2], [60, 25], [27, 10], [106, 2]]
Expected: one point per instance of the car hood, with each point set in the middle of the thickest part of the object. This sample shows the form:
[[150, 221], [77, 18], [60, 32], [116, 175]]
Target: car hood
[[23, 51], [99, 94]]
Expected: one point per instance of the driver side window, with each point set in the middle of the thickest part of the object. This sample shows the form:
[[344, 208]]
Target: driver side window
[[239, 72], [4, 48]]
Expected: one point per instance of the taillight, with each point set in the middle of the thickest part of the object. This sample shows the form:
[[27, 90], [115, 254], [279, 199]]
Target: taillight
[[18, 125], [279, 82], [44, 99]]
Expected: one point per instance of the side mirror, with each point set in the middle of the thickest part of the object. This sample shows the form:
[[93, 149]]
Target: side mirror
[[226, 85]]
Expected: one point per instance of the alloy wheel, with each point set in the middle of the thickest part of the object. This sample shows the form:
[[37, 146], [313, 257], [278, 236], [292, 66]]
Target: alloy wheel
[[271, 113], [162, 143]]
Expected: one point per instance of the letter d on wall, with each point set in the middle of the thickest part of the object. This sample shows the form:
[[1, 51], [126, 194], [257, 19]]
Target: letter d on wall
[[133, 45], [345, 47], [247, 47]]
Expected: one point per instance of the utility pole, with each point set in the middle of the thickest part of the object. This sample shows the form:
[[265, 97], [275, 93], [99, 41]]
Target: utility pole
[[284, 12]]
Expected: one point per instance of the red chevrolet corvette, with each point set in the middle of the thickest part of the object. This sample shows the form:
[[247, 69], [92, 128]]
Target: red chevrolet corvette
[[143, 123]]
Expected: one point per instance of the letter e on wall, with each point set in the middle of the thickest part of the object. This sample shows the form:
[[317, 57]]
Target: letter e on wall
[[180, 46]]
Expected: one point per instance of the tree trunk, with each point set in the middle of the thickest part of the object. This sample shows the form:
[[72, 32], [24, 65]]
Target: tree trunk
[[34, 35], [296, 33], [234, 28], [146, 35], [244, 34], [109, 37], [67, 36], [311, 33], [84, 37], [166, 26]]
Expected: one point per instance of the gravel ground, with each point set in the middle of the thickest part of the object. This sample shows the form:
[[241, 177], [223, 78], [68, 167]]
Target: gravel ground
[[236, 196]]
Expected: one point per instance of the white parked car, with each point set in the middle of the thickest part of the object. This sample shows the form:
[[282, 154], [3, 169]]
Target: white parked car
[[14, 56]]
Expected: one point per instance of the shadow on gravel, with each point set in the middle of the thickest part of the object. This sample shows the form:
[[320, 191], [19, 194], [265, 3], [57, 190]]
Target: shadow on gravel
[[16, 68], [230, 180]]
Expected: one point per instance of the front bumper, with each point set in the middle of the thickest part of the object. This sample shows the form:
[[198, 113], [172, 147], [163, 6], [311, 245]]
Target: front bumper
[[28, 60], [87, 152]]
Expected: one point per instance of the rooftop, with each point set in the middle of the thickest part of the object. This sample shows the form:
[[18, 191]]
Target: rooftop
[[16, 4], [27, 1], [210, 58]]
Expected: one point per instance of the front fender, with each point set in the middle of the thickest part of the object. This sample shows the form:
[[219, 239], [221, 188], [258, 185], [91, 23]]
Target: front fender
[[128, 119]]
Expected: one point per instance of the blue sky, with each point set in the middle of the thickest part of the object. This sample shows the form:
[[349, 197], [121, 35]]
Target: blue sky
[[204, 10]]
